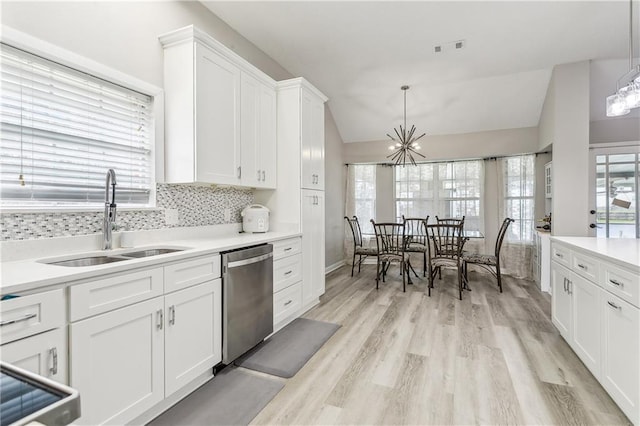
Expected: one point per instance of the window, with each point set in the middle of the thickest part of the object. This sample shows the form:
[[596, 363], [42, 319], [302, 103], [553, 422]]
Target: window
[[519, 191], [365, 195], [62, 129], [617, 192], [451, 189]]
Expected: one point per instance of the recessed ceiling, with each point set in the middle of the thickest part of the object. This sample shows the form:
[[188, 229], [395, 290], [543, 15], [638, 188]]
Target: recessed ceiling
[[360, 53]]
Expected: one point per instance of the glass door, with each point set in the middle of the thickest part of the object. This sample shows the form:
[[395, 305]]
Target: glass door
[[615, 194]]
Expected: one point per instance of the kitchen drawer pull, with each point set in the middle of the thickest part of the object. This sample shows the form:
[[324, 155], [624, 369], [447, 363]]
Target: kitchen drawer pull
[[159, 319], [288, 248], [559, 255], [616, 282], [258, 175], [613, 305], [565, 285], [288, 302], [288, 272], [53, 352], [263, 176], [27, 317], [580, 265]]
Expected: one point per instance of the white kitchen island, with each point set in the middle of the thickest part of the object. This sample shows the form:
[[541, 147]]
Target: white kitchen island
[[595, 285]]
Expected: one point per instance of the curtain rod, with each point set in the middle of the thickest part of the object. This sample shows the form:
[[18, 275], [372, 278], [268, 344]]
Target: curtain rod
[[493, 157]]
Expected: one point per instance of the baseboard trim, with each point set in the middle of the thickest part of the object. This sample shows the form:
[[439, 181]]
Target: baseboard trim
[[333, 267]]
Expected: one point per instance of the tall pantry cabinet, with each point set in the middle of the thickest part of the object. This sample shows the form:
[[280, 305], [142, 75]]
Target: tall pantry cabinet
[[298, 202]]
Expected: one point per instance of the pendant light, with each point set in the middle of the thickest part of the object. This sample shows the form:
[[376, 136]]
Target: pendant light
[[406, 144], [626, 97]]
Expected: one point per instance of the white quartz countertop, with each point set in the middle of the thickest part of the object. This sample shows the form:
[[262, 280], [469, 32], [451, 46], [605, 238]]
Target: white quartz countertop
[[31, 274], [624, 251]]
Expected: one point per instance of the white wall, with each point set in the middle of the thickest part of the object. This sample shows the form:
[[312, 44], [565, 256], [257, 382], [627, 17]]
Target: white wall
[[452, 147], [571, 149], [334, 179], [124, 35], [615, 129]]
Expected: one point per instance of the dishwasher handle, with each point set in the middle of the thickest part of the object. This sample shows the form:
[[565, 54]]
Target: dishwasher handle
[[249, 261]]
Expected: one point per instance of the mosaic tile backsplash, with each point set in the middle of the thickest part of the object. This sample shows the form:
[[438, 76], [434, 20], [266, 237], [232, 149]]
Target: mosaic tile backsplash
[[196, 205]]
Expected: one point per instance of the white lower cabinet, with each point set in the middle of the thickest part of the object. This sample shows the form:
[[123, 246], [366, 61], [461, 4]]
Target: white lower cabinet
[[192, 340], [586, 322], [621, 353], [117, 362], [44, 354], [127, 360], [313, 276], [601, 326], [561, 303]]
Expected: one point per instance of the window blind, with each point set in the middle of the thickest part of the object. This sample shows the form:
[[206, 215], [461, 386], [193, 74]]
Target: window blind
[[62, 129]]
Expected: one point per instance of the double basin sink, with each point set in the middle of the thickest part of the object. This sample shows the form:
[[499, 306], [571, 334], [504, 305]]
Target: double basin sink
[[101, 259]]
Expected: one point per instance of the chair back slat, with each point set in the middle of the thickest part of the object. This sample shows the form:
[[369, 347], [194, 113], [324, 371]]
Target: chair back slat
[[355, 230], [389, 239], [501, 234], [415, 229], [450, 221], [447, 241]]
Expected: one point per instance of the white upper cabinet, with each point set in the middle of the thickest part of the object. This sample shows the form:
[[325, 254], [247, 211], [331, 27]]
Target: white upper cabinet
[[312, 139], [220, 114], [258, 133]]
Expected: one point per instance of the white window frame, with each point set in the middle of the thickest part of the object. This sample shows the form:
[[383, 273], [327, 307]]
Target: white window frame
[[365, 224], [437, 200], [531, 197], [73, 60]]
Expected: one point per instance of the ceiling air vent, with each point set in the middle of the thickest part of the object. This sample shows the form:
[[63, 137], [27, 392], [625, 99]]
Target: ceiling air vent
[[449, 46]]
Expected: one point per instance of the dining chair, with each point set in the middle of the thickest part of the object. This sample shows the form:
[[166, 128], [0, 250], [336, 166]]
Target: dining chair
[[390, 241], [358, 248], [490, 262], [415, 230], [445, 250]]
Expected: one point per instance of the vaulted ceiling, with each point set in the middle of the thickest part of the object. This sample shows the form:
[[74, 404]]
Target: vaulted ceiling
[[360, 53]]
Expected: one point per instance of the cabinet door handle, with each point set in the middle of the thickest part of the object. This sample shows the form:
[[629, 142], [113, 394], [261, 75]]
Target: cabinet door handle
[[559, 255], [288, 272], [288, 248], [564, 283], [613, 305], [258, 175], [581, 266], [172, 312], [27, 317], [616, 282], [239, 172], [570, 286], [288, 302], [53, 353], [159, 319], [264, 176]]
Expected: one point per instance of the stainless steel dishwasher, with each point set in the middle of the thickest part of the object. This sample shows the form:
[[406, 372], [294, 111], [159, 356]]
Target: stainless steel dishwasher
[[247, 299]]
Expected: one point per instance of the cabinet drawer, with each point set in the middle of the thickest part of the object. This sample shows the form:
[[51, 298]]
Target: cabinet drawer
[[287, 302], [585, 266], [28, 315], [621, 282], [286, 248], [104, 295], [185, 274], [560, 254], [287, 271]]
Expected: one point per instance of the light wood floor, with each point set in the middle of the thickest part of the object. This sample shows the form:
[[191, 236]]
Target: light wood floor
[[405, 358]]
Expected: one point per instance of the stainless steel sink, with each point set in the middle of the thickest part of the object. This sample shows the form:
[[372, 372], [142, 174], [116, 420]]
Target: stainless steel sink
[[150, 252], [88, 261]]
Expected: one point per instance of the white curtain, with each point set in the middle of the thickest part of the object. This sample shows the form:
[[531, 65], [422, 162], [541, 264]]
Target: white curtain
[[515, 256], [349, 211]]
